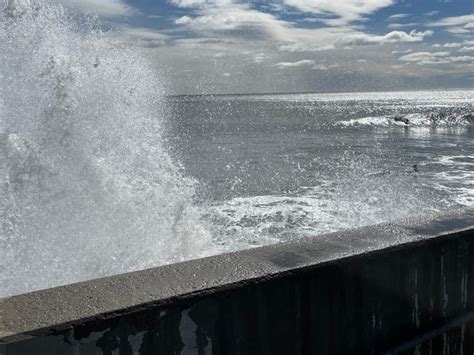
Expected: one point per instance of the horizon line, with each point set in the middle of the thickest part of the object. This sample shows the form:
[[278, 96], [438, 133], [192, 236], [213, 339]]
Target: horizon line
[[316, 92]]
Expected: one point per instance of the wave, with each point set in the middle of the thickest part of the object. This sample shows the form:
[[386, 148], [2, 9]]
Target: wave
[[456, 177], [87, 187], [433, 119], [360, 195]]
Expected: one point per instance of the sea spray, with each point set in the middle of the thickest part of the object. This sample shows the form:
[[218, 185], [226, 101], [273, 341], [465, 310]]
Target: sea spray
[[352, 192], [87, 188]]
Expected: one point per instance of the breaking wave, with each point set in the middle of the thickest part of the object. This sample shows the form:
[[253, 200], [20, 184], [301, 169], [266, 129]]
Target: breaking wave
[[456, 177], [433, 119], [361, 194], [87, 187]]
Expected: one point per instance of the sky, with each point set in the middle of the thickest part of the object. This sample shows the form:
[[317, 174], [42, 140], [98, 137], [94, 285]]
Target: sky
[[232, 46]]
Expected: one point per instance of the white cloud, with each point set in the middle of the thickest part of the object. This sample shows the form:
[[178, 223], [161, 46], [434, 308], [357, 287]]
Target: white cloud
[[397, 16], [306, 63], [324, 39], [346, 11], [391, 37], [457, 30], [457, 25], [300, 63], [291, 38], [417, 56], [403, 51], [431, 13], [452, 45], [242, 20], [466, 49], [231, 16], [198, 3], [226, 15], [424, 58], [465, 58], [454, 21], [184, 20], [304, 46], [107, 8]]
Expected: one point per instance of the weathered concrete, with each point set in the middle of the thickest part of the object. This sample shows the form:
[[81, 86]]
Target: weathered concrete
[[392, 287]]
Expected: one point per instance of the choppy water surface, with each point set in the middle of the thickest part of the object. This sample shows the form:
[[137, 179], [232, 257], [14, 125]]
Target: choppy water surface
[[101, 173], [275, 167]]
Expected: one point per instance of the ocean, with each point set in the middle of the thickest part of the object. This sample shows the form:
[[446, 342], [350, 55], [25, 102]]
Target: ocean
[[275, 167]]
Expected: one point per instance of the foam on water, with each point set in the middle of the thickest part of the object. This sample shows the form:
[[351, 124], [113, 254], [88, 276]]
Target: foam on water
[[457, 178], [86, 186], [359, 195], [413, 119]]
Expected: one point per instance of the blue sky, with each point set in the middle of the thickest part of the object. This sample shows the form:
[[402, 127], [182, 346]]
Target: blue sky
[[217, 46]]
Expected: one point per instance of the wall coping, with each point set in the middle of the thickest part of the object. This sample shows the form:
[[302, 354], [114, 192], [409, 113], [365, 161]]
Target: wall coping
[[55, 309]]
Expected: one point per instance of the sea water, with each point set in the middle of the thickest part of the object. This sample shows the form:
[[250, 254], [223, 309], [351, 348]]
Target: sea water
[[277, 167], [102, 172]]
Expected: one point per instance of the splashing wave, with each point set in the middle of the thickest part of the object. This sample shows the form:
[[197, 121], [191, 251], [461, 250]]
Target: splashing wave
[[86, 186]]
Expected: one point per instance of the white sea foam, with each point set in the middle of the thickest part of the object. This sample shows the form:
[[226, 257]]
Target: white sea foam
[[458, 179], [381, 121], [360, 196], [413, 119], [86, 187]]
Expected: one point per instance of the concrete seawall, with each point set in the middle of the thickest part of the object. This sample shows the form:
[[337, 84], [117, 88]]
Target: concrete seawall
[[404, 287]]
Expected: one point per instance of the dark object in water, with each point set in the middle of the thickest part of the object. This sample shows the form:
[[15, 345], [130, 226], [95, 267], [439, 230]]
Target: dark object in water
[[401, 119], [414, 170], [437, 118], [469, 117]]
